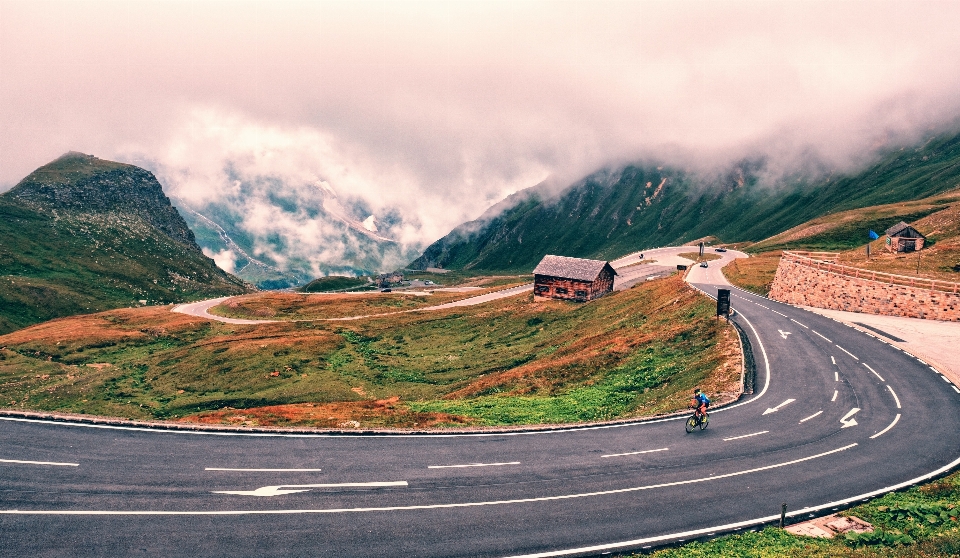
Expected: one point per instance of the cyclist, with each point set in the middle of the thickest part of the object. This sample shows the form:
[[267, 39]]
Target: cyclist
[[701, 402]]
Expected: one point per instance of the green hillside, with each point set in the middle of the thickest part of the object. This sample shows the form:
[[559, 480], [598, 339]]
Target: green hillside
[[84, 235], [615, 212]]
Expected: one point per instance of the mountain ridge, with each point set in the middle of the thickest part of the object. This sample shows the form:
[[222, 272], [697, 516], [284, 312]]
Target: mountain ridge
[[82, 235], [634, 207]]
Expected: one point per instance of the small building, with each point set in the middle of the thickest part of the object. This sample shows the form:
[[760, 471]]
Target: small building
[[572, 278], [904, 238]]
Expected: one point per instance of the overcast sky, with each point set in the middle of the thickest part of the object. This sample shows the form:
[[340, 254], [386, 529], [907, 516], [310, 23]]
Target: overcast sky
[[439, 109]]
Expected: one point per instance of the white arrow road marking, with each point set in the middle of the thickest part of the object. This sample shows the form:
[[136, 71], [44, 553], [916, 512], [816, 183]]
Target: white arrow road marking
[[847, 421], [291, 488], [783, 334], [778, 407]]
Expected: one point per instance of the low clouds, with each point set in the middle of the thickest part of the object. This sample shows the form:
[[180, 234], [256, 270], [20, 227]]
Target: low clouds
[[425, 113]]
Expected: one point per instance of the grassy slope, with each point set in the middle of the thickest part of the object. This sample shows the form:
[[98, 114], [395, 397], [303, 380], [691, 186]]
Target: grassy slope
[[72, 263], [510, 361], [927, 515], [938, 217], [613, 213]]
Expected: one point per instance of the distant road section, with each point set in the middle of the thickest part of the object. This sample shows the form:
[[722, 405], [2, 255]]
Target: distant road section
[[631, 269], [201, 309]]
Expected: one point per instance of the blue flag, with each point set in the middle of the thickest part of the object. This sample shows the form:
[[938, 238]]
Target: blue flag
[[873, 235]]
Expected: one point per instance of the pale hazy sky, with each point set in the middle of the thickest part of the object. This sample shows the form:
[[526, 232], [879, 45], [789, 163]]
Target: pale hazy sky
[[438, 109]]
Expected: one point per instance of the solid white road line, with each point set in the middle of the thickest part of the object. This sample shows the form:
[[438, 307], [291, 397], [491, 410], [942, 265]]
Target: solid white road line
[[634, 452], [825, 339], [20, 462], [434, 506], [892, 424], [895, 398], [799, 324], [472, 465], [745, 436], [846, 351], [835, 392], [262, 470], [874, 372], [818, 413]]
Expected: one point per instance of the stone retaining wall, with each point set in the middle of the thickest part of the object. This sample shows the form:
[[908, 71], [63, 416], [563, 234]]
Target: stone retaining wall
[[797, 282]]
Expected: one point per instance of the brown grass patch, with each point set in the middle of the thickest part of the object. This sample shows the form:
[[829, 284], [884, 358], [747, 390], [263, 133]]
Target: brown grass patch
[[388, 412]]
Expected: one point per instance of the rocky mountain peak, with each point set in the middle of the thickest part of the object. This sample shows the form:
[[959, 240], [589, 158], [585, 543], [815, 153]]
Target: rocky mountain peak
[[77, 182]]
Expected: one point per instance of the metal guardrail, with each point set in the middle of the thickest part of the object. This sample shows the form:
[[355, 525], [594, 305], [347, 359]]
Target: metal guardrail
[[826, 261]]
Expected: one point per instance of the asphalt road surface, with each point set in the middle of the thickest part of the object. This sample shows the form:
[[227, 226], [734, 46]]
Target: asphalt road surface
[[837, 416]]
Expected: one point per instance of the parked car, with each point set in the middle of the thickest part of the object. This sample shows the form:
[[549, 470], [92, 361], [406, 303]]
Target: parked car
[[720, 249], [387, 290], [703, 264]]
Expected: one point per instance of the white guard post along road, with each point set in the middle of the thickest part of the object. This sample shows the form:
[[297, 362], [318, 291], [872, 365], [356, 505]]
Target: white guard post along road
[[837, 417]]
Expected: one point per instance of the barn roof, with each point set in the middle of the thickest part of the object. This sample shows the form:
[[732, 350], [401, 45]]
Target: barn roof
[[571, 268], [899, 228]]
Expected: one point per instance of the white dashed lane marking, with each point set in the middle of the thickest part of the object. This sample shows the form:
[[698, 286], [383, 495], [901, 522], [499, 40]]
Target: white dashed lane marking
[[895, 398], [262, 470], [472, 465], [634, 452], [846, 351], [745, 436], [874, 372], [53, 463], [824, 338], [892, 424], [818, 413]]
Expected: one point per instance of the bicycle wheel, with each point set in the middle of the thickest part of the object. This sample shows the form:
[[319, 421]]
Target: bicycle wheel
[[704, 422], [691, 424]]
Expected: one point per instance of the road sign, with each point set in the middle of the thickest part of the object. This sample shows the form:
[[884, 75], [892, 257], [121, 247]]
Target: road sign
[[723, 302]]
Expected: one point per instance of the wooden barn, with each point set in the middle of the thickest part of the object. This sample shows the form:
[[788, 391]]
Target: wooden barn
[[572, 278], [904, 238]]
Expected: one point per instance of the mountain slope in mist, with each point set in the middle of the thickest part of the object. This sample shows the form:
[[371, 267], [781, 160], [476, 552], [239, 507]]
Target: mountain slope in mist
[[81, 235], [618, 211], [276, 234]]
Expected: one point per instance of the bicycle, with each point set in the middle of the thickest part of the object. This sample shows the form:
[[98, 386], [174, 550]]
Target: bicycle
[[695, 420]]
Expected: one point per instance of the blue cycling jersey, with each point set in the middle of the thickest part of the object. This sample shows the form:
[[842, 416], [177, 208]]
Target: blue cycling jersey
[[702, 399]]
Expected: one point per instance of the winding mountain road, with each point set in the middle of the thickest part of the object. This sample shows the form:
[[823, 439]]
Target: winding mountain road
[[837, 416]]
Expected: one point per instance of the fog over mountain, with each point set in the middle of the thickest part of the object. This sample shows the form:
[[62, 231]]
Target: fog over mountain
[[344, 136]]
